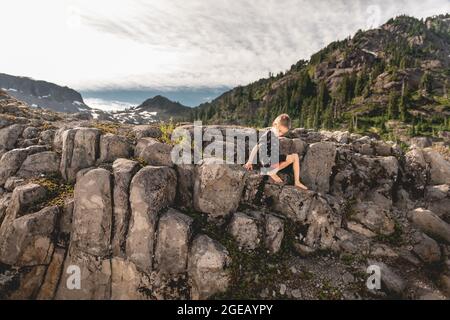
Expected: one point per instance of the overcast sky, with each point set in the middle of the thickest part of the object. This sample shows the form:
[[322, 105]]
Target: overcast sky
[[97, 44]]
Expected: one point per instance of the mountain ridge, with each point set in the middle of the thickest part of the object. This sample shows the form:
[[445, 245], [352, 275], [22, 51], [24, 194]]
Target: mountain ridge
[[397, 72]]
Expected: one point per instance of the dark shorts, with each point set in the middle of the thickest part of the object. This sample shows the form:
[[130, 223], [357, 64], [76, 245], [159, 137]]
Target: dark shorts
[[281, 158]]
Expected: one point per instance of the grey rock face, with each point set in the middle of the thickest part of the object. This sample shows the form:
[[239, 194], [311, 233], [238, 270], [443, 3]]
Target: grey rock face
[[10, 162], [431, 224], [29, 239], [152, 189], [174, 233], [244, 230], [149, 131], [427, 249], [113, 147], [390, 280], [374, 218], [208, 264], [47, 137], [127, 282], [154, 152], [9, 136], [218, 188], [123, 170], [30, 133], [92, 217], [439, 167], [80, 150], [39, 163], [307, 208], [95, 277], [317, 165], [274, 228], [438, 199]]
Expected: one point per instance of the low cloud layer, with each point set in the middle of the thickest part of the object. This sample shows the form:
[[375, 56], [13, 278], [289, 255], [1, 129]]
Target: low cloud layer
[[167, 44]]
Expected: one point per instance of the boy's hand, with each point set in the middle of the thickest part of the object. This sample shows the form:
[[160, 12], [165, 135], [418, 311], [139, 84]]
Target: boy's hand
[[248, 166]]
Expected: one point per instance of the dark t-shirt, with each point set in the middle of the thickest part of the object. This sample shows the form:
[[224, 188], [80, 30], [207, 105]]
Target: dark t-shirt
[[269, 150]]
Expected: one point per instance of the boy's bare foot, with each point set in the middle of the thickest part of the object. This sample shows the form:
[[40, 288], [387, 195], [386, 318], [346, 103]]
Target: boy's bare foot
[[274, 178], [301, 185]]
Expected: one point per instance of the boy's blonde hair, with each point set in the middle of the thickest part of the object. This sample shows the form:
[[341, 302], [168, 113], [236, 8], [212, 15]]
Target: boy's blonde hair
[[282, 120]]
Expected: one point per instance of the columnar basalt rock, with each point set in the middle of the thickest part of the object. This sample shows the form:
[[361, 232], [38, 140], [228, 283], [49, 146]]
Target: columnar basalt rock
[[124, 171], [218, 188], [245, 231], [113, 147], [317, 165], [80, 150], [174, 233], [29, 239], [208, 268], [38, 164], [92, 217], [139, 232], [152, 189], [154, 152]]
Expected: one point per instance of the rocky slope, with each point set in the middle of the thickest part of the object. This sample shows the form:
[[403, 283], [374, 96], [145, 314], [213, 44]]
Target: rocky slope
[[43, 94], [106, 200], [398, 72]]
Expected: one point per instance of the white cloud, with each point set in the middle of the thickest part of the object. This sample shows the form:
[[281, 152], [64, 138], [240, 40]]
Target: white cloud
[[90, 44]]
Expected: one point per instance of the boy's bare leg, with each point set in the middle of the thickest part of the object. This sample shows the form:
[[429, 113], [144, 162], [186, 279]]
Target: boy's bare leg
[[295, 161]]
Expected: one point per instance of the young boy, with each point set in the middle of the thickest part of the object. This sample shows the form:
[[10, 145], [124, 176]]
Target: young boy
[[280, 126]]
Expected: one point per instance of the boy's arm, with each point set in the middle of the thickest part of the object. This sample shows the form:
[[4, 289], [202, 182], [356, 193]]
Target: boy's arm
[[253, 154]]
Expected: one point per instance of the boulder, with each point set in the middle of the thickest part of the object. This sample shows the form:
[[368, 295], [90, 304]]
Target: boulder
[[124, 170], [39, 163], [143, 131], [208, 268], [374, 218], [29, 239], [245, 231], [306, 208], [50, 283], [431, 224], [47, 137], [127, 282], [218, 188], [152, 189], [317, 165], [28, 283], [154, 152], [22, 198], [391, 282], [253, 190], [80, 150], [4, 203], [95, 277], [10, 162], [426, 248], [438, 199], [439, 167], [92, 216], [421, 142], [172, 244], [113, 147], [30, 133], [10, 135], [274, 233]]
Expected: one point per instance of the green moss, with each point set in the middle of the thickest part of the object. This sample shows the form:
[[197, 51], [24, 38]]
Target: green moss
[[394, 239], [57, 192], [107, 127], [251, 271]]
